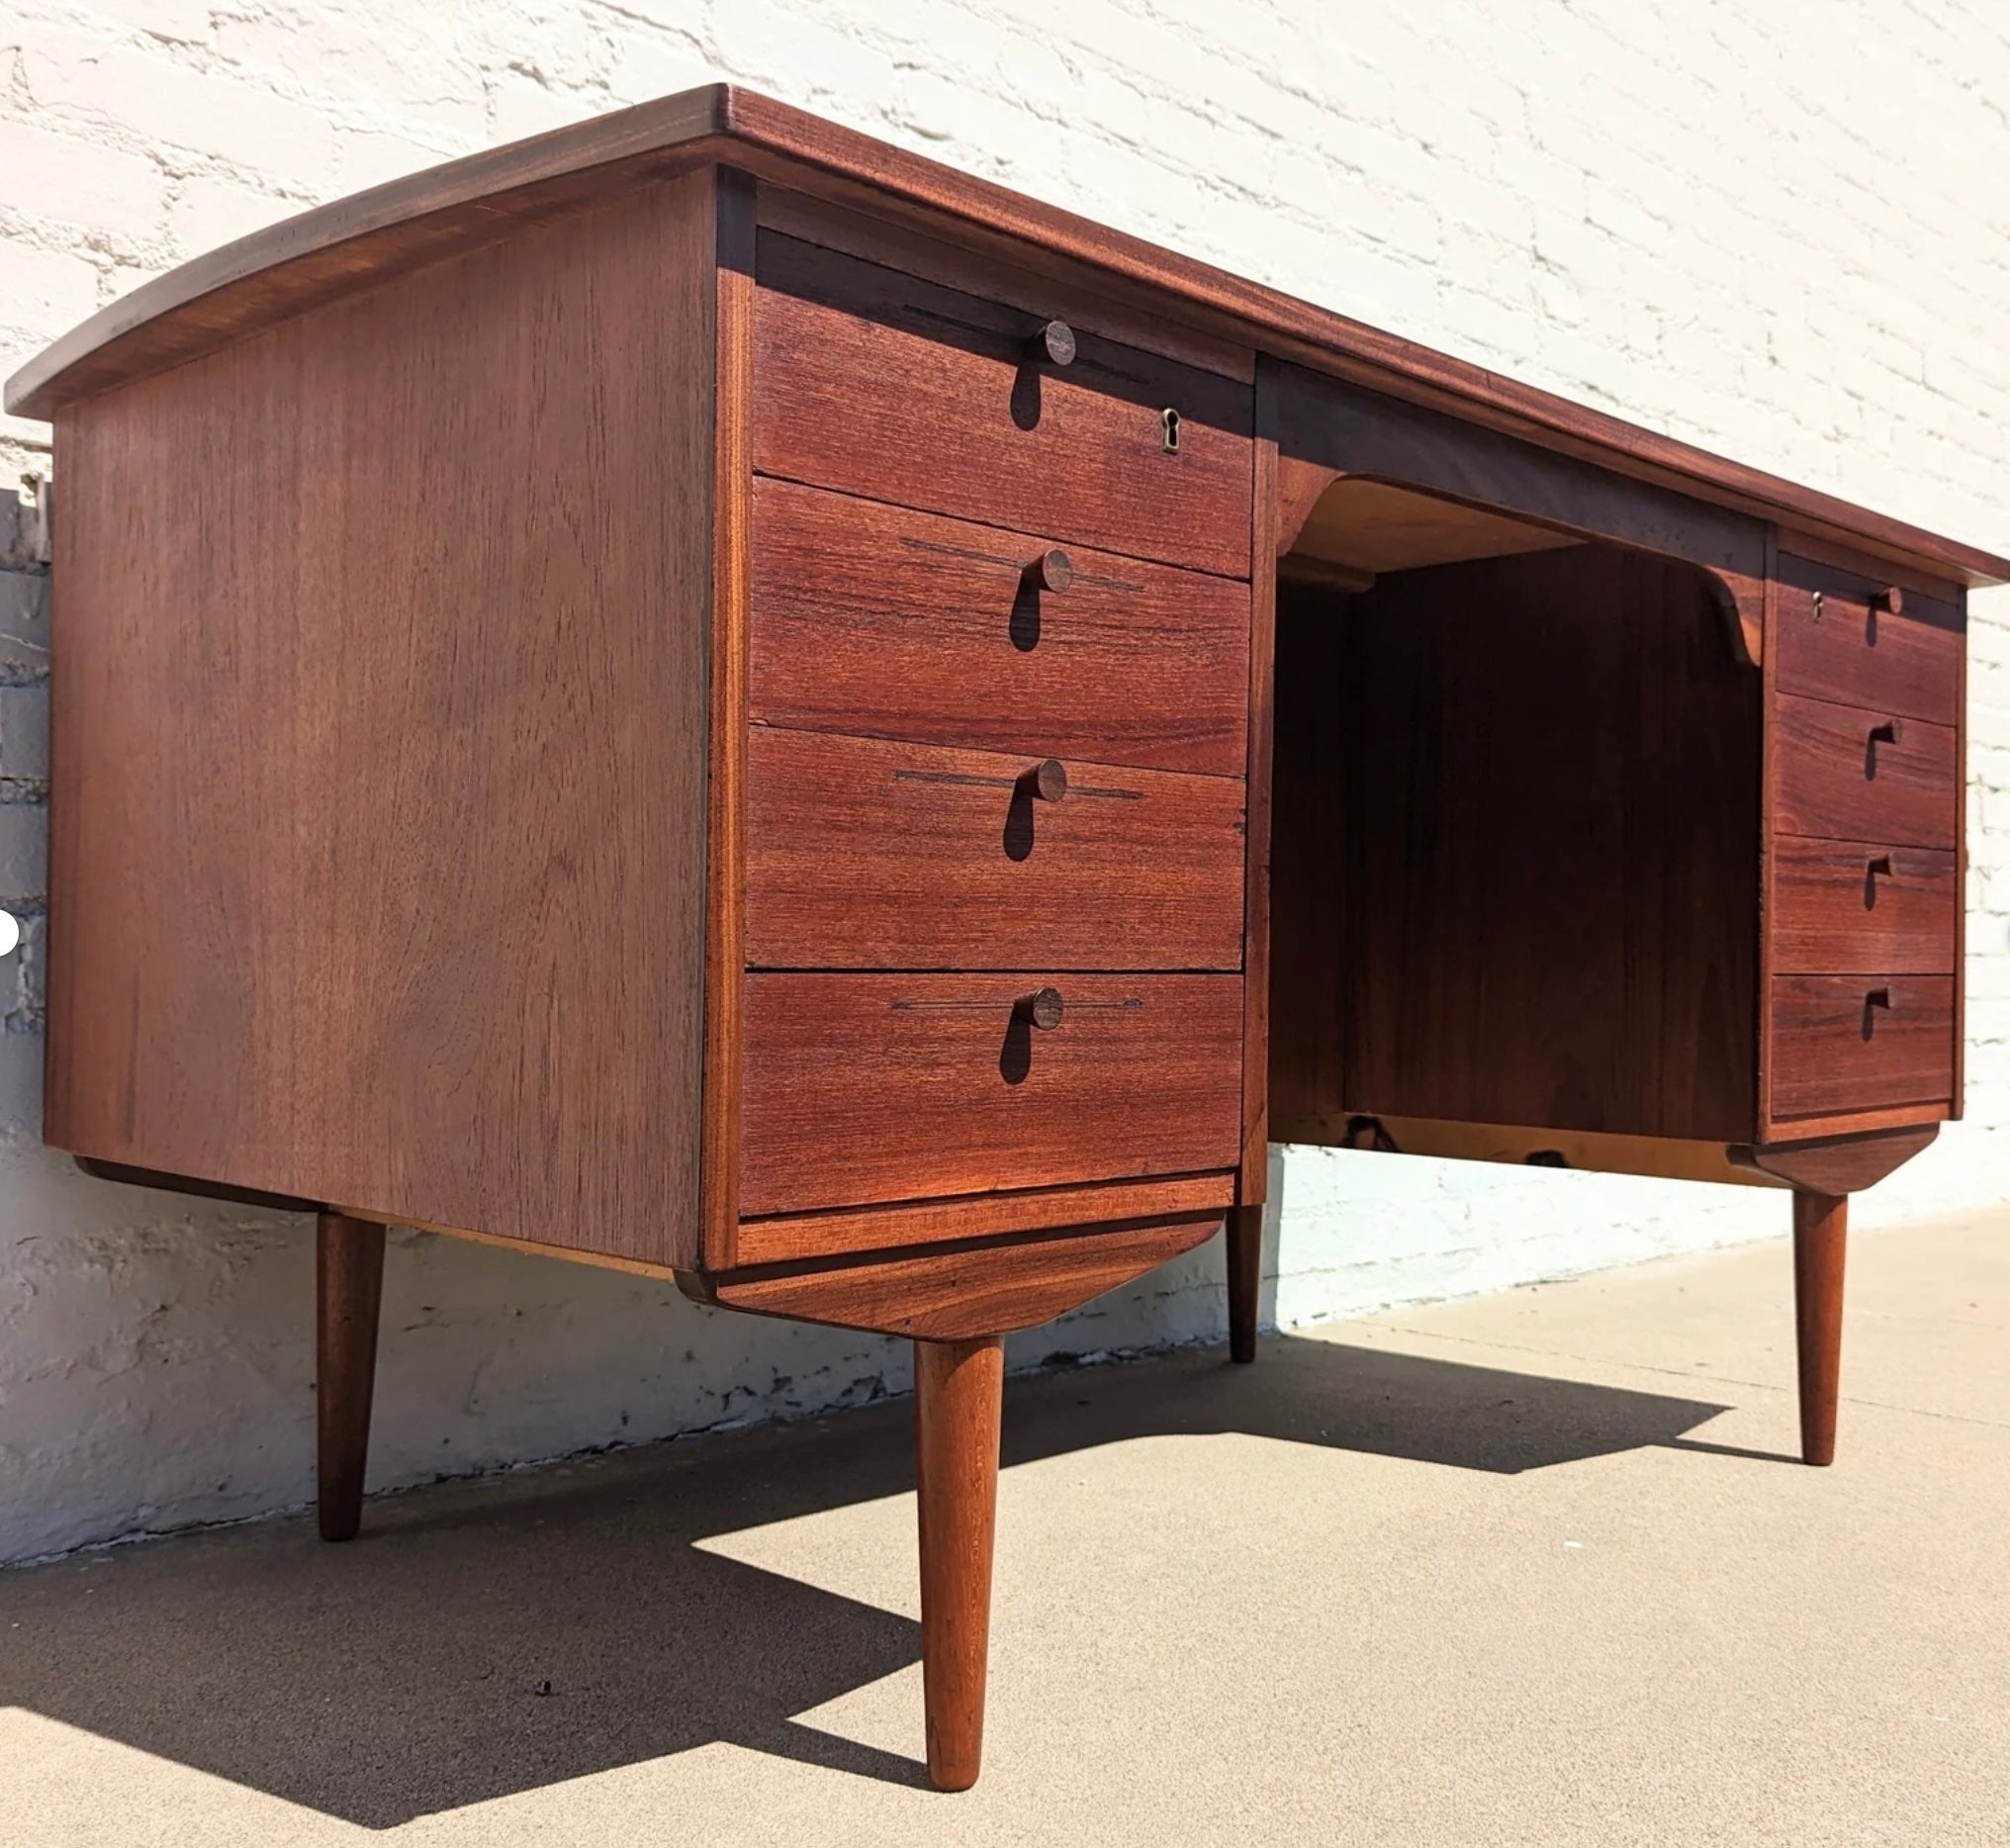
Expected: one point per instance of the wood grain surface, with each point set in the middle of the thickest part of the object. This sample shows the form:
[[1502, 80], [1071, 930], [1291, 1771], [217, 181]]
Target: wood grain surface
[[881, 384], [864, 854], [372, 878], [1846, 906], [1836, 644], [867, 1088], [959, 1394], [891, 623], [1837, 777], [1540, 822], [1835, 1049], [961, 1292]]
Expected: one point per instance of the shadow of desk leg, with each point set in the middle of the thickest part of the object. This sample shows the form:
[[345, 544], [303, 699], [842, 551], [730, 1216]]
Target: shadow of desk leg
[[348, 1293], [959, 1388], [1244, 1240], [1820, 1233]]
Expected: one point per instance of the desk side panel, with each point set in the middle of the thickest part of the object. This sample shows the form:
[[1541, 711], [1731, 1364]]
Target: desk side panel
[[380, 787]]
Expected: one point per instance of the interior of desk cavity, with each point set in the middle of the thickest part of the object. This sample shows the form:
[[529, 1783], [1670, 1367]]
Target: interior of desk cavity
[[1514, 831]]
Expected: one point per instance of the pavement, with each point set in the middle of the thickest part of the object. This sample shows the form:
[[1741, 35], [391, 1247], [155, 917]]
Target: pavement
[[1531, 1568]]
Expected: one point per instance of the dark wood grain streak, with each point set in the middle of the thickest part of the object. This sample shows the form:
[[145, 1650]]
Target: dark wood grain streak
[[347, 705], [884, 385], [348, 1298], [869, 1088], [1834, 1049], [1849, 906], [353, 243], [864, 853], [1838, 778], [890, 623]]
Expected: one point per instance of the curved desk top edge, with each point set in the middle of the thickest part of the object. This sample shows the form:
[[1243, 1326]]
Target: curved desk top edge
[[321, 255]]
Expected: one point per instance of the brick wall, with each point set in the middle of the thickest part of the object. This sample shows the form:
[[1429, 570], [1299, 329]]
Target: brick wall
[[1780, 232]]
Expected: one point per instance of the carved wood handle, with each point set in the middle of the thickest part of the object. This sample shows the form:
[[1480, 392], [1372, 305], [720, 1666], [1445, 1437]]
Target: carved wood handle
[[1052, 570], [1892, 731], [1891, 600], [1055, 344], [1049, 781], [1883, 864]]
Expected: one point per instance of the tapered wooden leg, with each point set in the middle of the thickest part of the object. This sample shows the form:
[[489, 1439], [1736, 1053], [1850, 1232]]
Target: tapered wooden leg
[[1820, 1231], [348, 1290], [1245, 1278], [959, 1387]]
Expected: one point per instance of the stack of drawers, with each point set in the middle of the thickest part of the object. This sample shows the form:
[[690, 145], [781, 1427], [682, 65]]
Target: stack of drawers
[[999, 614], [1867, 815]]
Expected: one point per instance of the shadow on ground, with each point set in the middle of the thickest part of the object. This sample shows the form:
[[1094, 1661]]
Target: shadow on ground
[[403, 1675]]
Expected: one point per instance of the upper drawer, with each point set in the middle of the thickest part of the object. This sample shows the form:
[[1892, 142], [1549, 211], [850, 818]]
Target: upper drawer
[[1858, 905], [1837, 637], [864, 1088], [875, 382], [1845, 1043], [864, 854], [1854, 775], [879, 620]]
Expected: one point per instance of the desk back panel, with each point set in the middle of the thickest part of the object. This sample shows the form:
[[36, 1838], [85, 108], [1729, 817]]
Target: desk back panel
[[1527, 790]]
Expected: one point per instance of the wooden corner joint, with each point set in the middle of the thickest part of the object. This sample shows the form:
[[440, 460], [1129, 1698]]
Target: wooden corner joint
[[1837, 1164]]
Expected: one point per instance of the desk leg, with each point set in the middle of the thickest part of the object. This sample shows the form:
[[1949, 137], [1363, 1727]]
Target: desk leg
[[1245, 1278], [959, 1388], [1820, 1231], [348, 1289]]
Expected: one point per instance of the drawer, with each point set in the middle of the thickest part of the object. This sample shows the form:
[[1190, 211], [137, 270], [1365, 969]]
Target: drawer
[[891, 623], [865, 1089], [867, 854], [880, 384], [1845, 906], [1837, 637], [1853, 774], [1843, 1043]]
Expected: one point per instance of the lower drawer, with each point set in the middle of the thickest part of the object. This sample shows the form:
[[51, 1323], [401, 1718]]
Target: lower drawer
[[1843, 1043], [865, 1089], [1840, 906]]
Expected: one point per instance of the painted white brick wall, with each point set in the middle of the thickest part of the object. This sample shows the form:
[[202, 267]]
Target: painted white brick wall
[[1782, 232]]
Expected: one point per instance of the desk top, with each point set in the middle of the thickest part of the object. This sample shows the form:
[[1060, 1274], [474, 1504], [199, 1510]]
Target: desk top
[[354, 243]]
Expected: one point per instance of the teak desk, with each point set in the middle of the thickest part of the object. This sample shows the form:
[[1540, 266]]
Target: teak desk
[[703, 694]]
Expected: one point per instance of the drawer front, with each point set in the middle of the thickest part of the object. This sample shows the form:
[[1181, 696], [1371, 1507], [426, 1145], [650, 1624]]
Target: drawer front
[[867, 854], [1848, 1043], [866, 1088], [877, 620], [1833, 641], [1846, 906], [1852, 774], [880, 384]]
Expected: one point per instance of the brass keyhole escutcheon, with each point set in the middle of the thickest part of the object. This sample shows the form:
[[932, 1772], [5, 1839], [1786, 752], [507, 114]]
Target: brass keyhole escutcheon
[[1170, 418]]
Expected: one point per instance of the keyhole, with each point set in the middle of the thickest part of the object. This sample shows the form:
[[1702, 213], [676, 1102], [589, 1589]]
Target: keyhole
[[1171, 419]]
